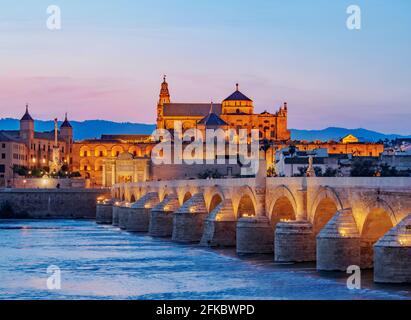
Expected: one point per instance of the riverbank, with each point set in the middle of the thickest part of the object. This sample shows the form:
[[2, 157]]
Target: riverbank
[[50, 203]]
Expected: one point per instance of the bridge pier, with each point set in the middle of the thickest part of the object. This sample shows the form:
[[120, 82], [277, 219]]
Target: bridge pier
[[294, 242], [116, 207], [138, 218], [123, 212], [161, 217], [188, 220], [338, 243], [220, 226], [104, 212], [392, 255], [254, 235]]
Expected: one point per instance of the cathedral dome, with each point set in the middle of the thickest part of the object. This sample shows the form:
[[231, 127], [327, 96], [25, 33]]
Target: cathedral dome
[[238, 103], [237, 96]]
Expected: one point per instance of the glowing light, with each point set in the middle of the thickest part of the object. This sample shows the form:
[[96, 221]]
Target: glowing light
[[166, 208], [147, 206], [343, 233], [285, 220], [404, 240], [117, 203], [192, 209], [34, 160]]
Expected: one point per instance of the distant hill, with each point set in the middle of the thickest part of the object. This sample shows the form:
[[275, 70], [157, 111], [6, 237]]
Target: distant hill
[[95, 128], [334, 133], [86, 129]]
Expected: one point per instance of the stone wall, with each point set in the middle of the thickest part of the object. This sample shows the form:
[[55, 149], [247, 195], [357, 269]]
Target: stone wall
[[184, 171], [52, 203]]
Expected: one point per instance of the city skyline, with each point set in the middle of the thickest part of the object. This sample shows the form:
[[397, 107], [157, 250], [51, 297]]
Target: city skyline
[[107, 61]]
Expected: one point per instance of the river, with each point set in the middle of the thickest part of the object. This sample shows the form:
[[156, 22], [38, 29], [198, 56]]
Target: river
[[102, 262]]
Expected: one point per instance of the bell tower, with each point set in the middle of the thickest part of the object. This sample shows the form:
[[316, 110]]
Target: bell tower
[[27, 127], [164, 98]]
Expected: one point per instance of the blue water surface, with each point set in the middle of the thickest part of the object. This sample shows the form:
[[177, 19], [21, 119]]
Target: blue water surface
[[102, 262]]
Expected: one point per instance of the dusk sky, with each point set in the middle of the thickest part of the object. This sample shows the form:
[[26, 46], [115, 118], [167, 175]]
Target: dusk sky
[[108, 59]]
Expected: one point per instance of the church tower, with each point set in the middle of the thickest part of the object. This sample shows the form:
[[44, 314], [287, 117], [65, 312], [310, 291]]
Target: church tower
[[27, 127], [66, 132], [164, 98]]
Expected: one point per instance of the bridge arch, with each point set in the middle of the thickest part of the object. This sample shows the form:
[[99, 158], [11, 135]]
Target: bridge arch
[[213, 197], [136, 192], [186, 196], [165, 191], [325, 206], [247, 203], [379, 220], [283, 205]]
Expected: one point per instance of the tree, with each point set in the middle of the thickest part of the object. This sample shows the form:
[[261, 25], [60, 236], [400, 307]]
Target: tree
[[75, 174], [329, 172], [362, 168], [387, 171], [210, 174], [20, 170]]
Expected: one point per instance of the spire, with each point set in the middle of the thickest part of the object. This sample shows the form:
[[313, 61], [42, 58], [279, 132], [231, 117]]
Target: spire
[[27, 116], [236, 87], [66, 123], [211, 107], [164, 92]]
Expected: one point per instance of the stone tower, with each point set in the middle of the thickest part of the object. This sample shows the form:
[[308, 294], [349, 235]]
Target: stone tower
[[27, 127], [282, 123], [66, 133], [164, 98]]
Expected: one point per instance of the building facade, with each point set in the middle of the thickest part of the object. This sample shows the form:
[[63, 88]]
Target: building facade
[[94, 158], [236, 111], [34, 150]]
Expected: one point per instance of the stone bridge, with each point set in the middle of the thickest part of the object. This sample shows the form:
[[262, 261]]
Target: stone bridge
[[337, 222]]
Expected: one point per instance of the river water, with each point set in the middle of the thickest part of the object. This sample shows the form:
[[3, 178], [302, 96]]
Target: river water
[[102, 262]]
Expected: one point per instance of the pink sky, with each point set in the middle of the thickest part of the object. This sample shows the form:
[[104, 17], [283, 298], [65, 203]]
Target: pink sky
[[108, 60]]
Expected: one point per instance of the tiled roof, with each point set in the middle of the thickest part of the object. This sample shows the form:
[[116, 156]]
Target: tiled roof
[[125, 136], [65, 124], [48, 135], [190, 109], [238, 96], [212, 120], [9, 136], [27, 116]]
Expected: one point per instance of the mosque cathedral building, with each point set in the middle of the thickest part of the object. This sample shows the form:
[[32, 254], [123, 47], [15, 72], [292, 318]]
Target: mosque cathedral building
[[122, 158]]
